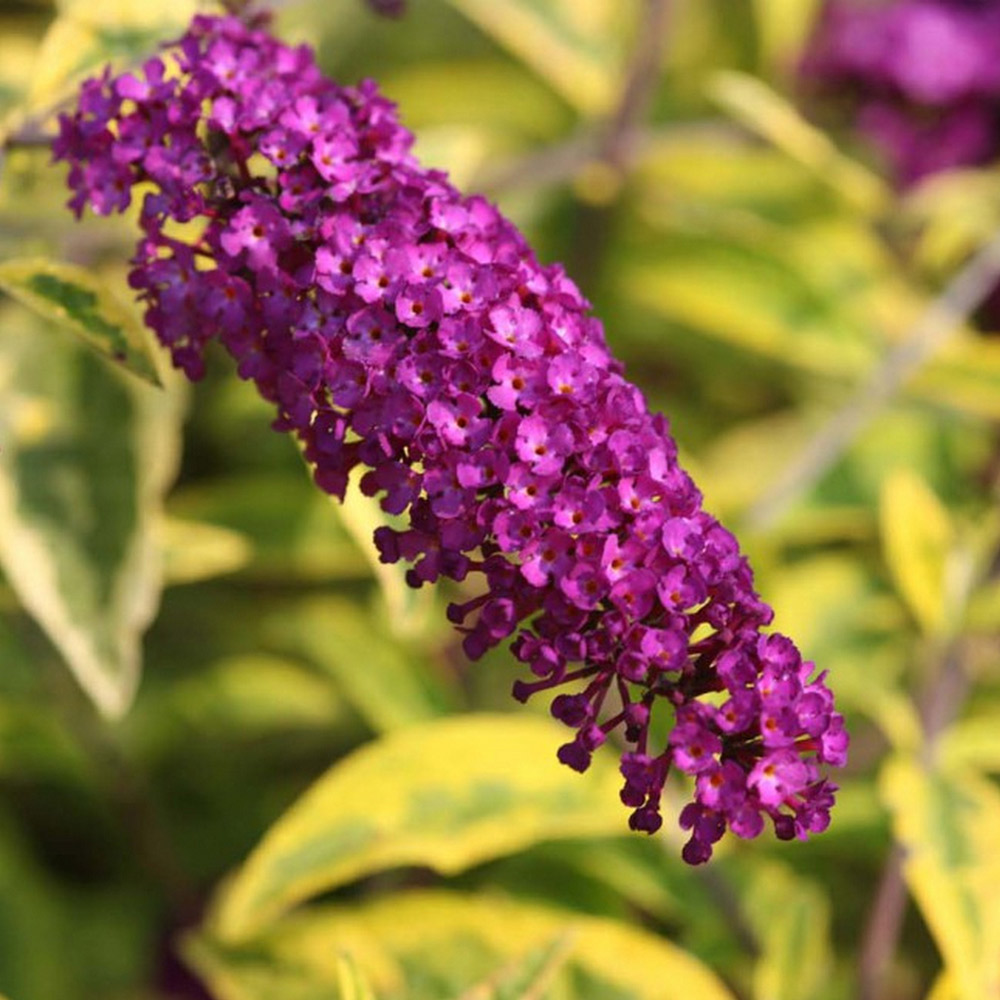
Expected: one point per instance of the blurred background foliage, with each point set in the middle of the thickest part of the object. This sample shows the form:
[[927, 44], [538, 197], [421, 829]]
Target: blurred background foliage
[[311, 794]]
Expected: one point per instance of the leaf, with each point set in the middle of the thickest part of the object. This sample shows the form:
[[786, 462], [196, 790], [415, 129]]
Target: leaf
[[444, 795], [574, 58], [964, 374], [917, 539], [428, 945], [289, 524], [949, 826], [765, 309], [196, 551], [233, 976], [30, 913], [242, 696], [85, 458], [408, 608], [765, 112], [387, 681], [74, 298], [84, 35], [972, 743], [489, 94], [351, 982], [954, 212], [783, 27], [791, 918], [944, 988]]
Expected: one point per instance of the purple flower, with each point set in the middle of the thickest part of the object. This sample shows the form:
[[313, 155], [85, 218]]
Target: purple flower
[[922, 76], [403, 328]]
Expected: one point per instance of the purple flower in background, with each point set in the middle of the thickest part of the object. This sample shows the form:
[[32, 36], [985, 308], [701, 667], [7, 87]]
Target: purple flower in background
[[922, 78], [401, 327]]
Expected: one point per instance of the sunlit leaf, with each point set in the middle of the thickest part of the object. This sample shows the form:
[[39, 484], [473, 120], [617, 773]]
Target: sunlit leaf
[[823, 601], [408, 608], [84, 35], [17, 58], [197, 551], [983, 612], [949, 826], [351, 982], [250, 977], [957, 211], [428, 945], [490, 94], [783, 27], [525, 977], [965, 375], [765, 112], [917, 539], [74, 298], [577, 64], [944, 988], [764, 308], [85, 457], [445, 795], [972, 743], [791, 919]]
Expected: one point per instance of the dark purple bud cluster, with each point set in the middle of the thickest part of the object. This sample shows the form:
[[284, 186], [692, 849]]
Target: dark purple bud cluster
[[922, 76], [401, 327]]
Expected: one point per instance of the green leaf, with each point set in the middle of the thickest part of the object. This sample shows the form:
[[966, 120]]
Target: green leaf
[[85, 458], [568, 49], [241, 696], [949, 826], [917, 540], [74, 298], [791, 919], [428, 945], [233, 976], [445, 795], [765, 112], [387, 681], [289, 524], [29, 913]]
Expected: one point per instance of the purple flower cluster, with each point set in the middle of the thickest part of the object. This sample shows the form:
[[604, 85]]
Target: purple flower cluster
[[399, 326], [922, 77]]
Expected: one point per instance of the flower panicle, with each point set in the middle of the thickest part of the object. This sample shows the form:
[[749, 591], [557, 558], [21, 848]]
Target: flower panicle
[[400, 327], [921, 78]]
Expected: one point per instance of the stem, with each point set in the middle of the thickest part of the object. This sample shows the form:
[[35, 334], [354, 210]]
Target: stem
[[963, 294], [616, 148], [30, 135], [560, 163], [641, 78]]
